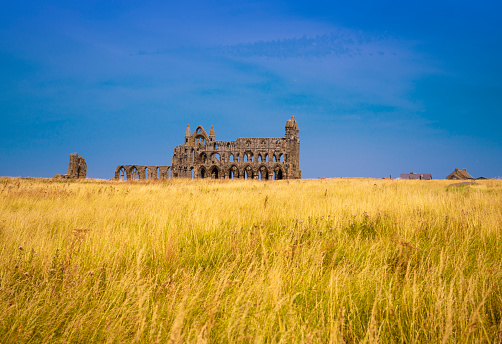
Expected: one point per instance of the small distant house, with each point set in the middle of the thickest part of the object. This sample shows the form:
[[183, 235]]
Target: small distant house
[[460, 175], [413, 175]]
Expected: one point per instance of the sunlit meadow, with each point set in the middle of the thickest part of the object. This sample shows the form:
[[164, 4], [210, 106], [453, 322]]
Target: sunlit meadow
[[305, 261]]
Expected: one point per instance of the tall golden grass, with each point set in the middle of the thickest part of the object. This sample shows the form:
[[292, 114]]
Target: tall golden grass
[[306, 261]]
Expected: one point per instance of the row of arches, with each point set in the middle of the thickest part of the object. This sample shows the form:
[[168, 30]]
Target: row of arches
[[216, 158], [247, 172], [227, 145], [134, 172]]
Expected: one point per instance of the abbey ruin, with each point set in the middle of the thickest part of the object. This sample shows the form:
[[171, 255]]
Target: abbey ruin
[[77, 168], [201, 156]]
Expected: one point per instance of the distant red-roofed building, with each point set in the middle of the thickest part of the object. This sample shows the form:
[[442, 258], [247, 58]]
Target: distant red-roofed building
[[413, 175]]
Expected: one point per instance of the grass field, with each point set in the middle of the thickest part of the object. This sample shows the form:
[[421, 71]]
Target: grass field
[[306, 261]]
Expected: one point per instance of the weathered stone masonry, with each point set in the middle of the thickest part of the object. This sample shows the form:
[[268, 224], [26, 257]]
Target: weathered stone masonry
[[77, 168], [201, 156]]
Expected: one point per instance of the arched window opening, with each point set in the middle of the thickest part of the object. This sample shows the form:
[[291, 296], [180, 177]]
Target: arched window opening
[[278, 174], [251, 157], [134, 174], [146, 173], [122, 174], [245, 157], [203, 173], [193, 155], [234, 172], [214, 173], [263, 173], [231, 158], [230, 174], [200, 140], [157, 173], [215, 146], [215, 158], [266, 157], [275, 158], [228, 146], [245, 174], [248, 173], [259, 158], [281, 158]]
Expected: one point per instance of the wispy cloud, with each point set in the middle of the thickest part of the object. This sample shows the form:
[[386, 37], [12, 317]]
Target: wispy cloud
[[342, 43], [333, 44]]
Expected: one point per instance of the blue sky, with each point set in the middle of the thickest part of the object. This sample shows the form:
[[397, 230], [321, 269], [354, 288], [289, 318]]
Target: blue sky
[[377, 88]]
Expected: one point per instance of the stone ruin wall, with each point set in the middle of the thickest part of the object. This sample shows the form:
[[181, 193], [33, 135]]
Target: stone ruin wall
[[201, 156], [77, 168], [131, 172]]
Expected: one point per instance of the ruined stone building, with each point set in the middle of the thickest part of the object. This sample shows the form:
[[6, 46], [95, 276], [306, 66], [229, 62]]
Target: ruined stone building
[[201, 156], [77, 168]]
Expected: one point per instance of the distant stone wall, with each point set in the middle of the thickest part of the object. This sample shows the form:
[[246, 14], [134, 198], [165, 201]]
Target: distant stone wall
[[77, 168], [132, 172]]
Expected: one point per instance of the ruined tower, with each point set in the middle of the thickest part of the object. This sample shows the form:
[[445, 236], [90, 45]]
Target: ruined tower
[[77, 168]]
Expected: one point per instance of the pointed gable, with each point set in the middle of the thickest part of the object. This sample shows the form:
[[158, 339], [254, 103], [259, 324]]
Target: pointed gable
[[459, 175]]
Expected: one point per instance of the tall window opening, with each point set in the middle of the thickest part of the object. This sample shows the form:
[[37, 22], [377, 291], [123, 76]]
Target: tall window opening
[[278, 175], [215, 158], [122, 174], [214, 173], [134, 174]]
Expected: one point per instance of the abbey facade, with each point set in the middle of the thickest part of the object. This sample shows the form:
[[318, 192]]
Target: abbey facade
[[201, 156]]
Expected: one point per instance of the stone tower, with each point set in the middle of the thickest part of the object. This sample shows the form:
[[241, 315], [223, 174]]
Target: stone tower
[[77, 168], [293, 149]]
